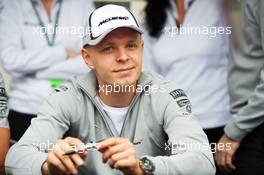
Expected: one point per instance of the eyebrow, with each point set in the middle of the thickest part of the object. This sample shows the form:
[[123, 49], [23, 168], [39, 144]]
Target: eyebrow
[[111, 43], [107, 43], [130, 41]]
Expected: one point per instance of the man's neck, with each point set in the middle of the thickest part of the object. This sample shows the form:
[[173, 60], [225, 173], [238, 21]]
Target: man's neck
[[47, 6], [181, 10], [118, 99]]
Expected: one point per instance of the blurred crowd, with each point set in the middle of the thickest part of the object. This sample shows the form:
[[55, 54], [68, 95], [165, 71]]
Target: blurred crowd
[[213, 50]]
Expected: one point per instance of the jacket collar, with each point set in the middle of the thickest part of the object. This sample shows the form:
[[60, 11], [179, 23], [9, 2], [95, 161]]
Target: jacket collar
[[89, 83]]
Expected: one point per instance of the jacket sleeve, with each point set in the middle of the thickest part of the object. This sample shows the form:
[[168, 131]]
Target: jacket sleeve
[[16, 59], [27, 156], [190, 152], [248, 110]]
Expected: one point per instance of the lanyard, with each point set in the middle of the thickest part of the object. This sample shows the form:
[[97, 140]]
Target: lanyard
[[52, 41], [185, 11]]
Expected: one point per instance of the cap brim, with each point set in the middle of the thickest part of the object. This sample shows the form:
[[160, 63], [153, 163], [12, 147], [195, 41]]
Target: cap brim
[[103, 35]]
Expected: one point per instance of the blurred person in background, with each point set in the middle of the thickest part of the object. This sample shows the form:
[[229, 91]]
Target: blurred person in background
[[187, 41], [40, 43], [4, 127], [245, 131]]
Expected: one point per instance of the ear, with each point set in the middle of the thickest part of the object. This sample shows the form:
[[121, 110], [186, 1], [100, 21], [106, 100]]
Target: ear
[[87, 58], [142, 43]]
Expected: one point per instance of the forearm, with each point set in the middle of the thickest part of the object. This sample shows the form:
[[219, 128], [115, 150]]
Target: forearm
[[65, 70], [4, 145], [247, 119], [24, 159], [33, 60], [250, 115]]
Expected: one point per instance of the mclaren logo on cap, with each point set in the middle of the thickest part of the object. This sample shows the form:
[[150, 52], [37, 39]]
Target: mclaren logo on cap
[[113, 18]]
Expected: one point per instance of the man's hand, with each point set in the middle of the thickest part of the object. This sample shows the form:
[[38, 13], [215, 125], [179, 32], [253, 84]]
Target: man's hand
[[72, 53], [57, 163], [225, 156], [120, 154]]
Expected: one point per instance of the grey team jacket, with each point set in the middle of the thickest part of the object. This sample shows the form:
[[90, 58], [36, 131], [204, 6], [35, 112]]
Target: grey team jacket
[[160, 117], [246, 74]]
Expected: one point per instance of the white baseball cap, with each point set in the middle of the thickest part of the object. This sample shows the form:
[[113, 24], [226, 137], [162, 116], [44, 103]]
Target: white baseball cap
[[104, 20]]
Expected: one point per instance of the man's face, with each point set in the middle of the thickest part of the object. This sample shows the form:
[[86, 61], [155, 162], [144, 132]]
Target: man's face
[[117, 59]]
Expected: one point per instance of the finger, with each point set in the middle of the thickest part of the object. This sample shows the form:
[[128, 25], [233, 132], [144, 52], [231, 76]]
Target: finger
[[52, 160], [223, 163], [84, 154], [218, 160], [110, 163], [125, 163], [66, 160], [114, 150], [107, 143], [221, 160], [229, 165], [110, 142], [74, 142], [69, 164], [122, 155], [78, 161]]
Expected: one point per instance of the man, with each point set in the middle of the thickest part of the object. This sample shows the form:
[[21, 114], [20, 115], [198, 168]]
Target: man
[[244, 133], [143, 124], [4, 126]]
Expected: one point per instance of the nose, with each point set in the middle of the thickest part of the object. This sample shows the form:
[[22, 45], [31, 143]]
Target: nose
[[122, 55]]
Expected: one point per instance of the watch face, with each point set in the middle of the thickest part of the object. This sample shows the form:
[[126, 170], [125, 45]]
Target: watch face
[[147, 165]]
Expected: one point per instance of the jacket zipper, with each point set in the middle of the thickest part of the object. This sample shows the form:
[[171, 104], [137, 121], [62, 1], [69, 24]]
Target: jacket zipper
[[131, 106], [129, 109], [100, 111], [103, 115]]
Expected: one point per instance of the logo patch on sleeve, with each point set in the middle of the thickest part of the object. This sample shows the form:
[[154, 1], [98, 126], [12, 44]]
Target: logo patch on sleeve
[[183, 102], [2, 92], [177, 93], [181, 99], [3, 103], [62, 88], [189, 108]]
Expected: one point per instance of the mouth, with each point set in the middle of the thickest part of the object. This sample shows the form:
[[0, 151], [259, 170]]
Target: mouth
[[123, 70]]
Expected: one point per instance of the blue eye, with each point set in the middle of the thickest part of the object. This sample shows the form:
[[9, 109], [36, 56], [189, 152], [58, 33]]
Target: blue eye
[[131, 45], [108, 49]]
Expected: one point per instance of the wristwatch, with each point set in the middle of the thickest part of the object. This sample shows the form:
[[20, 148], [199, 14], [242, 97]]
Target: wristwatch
[[147, 166]]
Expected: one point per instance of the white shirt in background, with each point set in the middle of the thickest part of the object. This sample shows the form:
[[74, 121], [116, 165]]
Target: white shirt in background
[[197, 63], [25, 54]]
